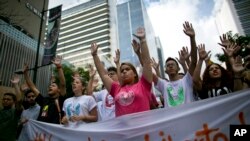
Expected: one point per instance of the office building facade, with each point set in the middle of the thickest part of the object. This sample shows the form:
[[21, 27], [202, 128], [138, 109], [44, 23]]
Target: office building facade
[[161, 57], [233, 15], [242, 8], [80, 26], [132, 14], [19, 31]]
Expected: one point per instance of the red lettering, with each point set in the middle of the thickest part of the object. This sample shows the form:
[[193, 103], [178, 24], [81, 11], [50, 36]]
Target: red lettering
[[241, 118], [220, 135], [205, 132], [146, 137]]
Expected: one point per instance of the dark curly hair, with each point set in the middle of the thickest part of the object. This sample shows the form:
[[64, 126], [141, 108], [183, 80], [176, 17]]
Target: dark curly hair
[[208, 82], [112, 69]]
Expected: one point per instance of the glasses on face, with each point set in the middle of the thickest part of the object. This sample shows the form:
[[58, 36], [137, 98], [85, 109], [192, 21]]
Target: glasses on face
[[170, 65]]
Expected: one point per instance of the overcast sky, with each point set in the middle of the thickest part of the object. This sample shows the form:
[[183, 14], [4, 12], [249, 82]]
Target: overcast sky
[[167, 18]]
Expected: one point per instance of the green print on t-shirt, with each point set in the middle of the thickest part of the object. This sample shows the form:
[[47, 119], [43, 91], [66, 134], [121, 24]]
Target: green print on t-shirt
[[173, 98]]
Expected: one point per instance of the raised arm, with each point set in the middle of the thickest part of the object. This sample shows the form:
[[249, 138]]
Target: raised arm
[[182, 60], [18, 103], [229, 52], [186, 55], [15, 80], [92, 73], [208, 60], [189, 31], [62, 85], [196, 78], [118, 65], [147, 69], [107, 81], [238, 69], [225, 42], [236, 65], [156, 65], [29, 82], [137, 49]]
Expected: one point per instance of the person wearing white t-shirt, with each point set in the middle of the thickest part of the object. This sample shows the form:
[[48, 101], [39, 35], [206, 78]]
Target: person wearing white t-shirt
[[80, 108], [105, 102], [178, 90]]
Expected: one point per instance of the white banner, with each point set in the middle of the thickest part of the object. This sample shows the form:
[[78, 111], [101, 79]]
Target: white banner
[[206, 120]]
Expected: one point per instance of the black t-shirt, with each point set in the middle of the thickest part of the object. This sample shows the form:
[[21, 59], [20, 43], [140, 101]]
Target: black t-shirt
[[205, 93], [8, 123], [49, 112]]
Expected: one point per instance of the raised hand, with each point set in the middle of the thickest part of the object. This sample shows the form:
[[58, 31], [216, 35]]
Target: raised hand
[[185, 53], [237, 65], [136, 47], [117, 56], [92, 72], [202, 52], [57, 61], [181, 58], [25, 67], [224, 41], [94, 48], [230, 49], [140, 33], [95, 83], [15, 79], [154, 64], [188, 29]]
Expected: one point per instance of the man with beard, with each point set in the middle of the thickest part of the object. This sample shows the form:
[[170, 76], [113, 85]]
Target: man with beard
[[31, 113], [51, 107]]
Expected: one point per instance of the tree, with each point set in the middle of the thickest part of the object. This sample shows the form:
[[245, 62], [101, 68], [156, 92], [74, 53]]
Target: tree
[[69, 71], [242, 41]]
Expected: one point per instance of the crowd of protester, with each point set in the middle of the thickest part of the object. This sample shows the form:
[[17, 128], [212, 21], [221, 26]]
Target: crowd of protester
[[125, 91]]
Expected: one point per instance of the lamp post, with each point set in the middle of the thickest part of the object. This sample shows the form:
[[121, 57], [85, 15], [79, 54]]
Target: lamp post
[[38, 43]]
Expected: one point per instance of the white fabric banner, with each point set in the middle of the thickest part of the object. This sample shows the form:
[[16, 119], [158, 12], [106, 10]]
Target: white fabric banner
[[207, 120]]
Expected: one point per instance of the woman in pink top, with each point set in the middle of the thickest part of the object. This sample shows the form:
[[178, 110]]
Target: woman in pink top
[[133, 94]]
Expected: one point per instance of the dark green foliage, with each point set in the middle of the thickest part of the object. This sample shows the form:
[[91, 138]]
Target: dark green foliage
[[68, 71]]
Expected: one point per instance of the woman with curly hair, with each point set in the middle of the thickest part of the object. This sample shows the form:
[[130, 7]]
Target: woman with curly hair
[[216, 80]]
